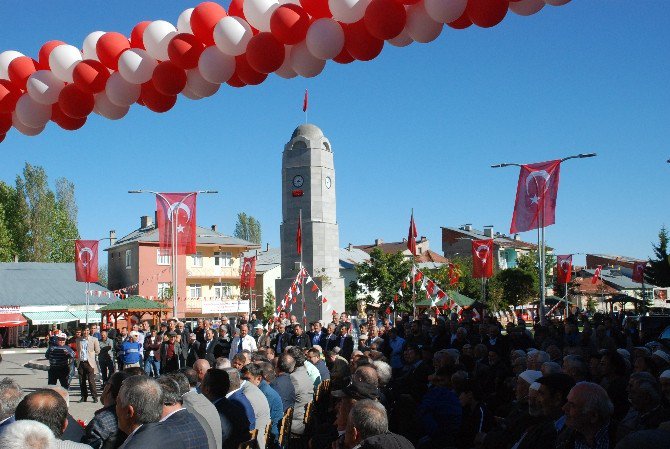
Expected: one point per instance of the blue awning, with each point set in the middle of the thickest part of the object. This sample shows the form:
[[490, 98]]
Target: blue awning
[[36, 318], [80, 315]]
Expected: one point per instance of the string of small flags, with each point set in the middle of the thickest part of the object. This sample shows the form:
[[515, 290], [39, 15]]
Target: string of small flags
[[124, 292], [293, 293], [433, 292]]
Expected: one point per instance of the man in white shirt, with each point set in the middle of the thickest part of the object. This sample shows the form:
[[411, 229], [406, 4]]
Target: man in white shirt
[[242, 342]]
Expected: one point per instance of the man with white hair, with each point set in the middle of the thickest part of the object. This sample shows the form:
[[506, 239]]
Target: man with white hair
[[10, 396], [588, 413], [27, 435], [536, 358]]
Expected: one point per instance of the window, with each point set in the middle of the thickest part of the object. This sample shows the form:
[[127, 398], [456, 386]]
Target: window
[[222, 290], [163, 290], [162, 257], [197, 259], [128, 258], [223, 258], [195, 290]]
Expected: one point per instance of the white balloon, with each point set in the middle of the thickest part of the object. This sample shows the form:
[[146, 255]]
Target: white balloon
[[44, 87], [32, 113], [156, 38], [188, 93], [401, 40], [25, 129], [304, 63], [289, 2], [136, 66], [325, 38], [121, 92], [556, 2], [445, 11], [105, 108], [198, 85], [420, 26], [348, 11], [216, 67], [286, 71], [526, 7], [89, 45], [232, 34], [184, 21], [5, 58], [258, 13], [63, 60]]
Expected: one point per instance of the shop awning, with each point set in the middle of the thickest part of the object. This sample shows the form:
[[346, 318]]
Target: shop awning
[[49, 317], [13, 319], [93, 316]]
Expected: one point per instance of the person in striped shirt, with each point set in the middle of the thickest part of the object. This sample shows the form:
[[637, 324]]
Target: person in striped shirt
[[60, 357]]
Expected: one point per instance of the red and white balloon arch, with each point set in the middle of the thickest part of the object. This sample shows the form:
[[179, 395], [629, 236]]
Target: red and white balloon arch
[[210, 46]]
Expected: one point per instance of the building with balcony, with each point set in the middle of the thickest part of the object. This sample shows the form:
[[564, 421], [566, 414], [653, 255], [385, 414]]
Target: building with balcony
[[205, 279]]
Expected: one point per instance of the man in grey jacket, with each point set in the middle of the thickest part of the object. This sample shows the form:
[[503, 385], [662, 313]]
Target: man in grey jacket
[[304, 390]]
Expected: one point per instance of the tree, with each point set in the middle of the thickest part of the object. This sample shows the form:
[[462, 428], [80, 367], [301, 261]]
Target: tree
[[385, 273], [61, 235], [658, 270], [102, 275], [6, 244], [351, 296], [269, 306], [248, 228], [517, 286]]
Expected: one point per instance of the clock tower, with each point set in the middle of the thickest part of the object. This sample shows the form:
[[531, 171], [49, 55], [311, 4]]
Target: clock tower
[[308, 185]]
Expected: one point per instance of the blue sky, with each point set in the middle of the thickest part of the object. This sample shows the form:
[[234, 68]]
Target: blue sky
[[416, 127]]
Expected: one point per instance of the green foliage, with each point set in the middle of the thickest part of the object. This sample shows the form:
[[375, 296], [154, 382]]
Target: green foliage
[[269, 305], [658, 270], [61, 234], [385, 273], [102, 275], [516, 287], [351, 297], [248, 228], [6, 247]]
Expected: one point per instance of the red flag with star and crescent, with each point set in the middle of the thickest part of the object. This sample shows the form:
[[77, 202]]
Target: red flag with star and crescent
[[176, 211], [86, 260], [454, 276], [597, 274], [411, 236], [482, 258], [248, 274], [563, 269], [638, 271], [536, 194]]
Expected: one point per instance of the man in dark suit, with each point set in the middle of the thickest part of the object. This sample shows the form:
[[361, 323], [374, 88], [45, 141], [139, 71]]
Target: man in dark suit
[[299, 339], [281, 340], [234, 421], [211, 349], [328, 339], [193, 351], [237, 396], [345, 342], [182, 424], [315, 333], [198, 404]]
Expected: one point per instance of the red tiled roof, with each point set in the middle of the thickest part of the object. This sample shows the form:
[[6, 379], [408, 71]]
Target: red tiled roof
[[431, 256], [585, 287]]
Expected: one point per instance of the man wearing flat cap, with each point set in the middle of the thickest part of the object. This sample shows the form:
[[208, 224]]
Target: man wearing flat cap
[[170, 352]]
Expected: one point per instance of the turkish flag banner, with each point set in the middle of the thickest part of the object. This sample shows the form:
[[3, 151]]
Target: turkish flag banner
[[597, 275], [177, 210], [453, 274], [563, 269], [482, 258], [536, 192], [638, 272], [411, 236], [248, 275], [86, 260]]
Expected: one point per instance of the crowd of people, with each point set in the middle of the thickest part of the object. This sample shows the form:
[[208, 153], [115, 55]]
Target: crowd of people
[[431, 383]]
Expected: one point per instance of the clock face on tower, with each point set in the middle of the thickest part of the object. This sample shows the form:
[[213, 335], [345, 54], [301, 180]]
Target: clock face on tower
[[298, 181], [328, 182]]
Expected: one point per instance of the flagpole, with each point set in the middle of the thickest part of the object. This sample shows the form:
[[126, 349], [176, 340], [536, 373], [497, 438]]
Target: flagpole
[[88, 285], [567, 307], [302, 280]]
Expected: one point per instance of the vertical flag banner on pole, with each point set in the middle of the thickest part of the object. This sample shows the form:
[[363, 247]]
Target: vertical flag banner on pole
[[536, 192], [482, 258], [178, 211], [86, 260]]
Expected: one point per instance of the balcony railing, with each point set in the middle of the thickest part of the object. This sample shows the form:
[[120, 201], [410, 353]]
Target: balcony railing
[[213, 272]]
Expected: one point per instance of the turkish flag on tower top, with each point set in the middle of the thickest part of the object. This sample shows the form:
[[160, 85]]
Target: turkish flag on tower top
[[536, 192], [176, 211], [86, 260], [411, 236]]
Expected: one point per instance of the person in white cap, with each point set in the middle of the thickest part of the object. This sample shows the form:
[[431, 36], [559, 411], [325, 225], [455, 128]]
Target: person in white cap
[[60, 357], [262, 339]]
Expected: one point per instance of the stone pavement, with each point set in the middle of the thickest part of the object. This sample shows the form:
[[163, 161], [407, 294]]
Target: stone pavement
[[28, 367]]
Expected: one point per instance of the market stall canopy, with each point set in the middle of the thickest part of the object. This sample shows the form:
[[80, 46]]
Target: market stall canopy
[[12, 319], [37, 318]]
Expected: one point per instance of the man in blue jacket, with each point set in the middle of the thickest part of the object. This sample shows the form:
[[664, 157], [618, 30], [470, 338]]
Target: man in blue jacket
[[131, 351]]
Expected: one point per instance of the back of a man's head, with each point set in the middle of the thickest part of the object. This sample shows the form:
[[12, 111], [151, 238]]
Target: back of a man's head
[[367, 374], [223, 362], [170, 387], [115, 381], [27, 434], [286, 363], [298, 356], [215, 384], [10, 396], [45, 406], [268, 371], [182, 381], [145, 395], [369, 418], [234, 376], [191, 375]]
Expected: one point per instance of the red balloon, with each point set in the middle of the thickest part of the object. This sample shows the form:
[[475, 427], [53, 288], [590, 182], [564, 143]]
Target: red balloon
[[169, 79], [2, 137], [344, 57], [385, 19], [204, 18], [316, 8], [109, 48], [9, 95], [360, 43], [408, 2], [487, 13], [289, 24], [235, 81], [236, 9], [184, 50], [20, 69], [90, 76], [74, 102], [462, 22], [246, 73], [155, 100], [5, 122], [44, 53], [265, 53], [64, 121], [137, 35]]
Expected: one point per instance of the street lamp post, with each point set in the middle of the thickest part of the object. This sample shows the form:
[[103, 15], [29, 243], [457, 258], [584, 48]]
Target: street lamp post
[[540, 233], [173, 232]]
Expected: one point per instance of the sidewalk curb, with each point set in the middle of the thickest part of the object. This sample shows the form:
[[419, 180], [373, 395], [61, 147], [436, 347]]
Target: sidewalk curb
[[34, 364], [23, 351]]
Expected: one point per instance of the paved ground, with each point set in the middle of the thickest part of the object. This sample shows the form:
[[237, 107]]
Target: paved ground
[[30, 378]]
